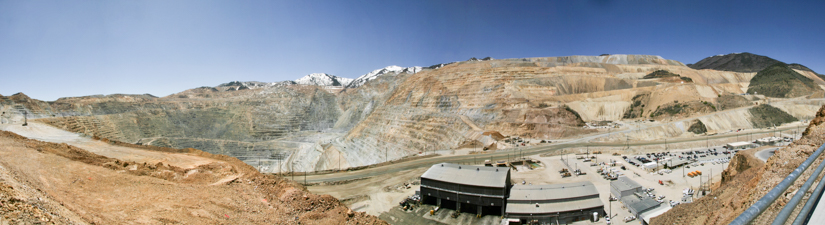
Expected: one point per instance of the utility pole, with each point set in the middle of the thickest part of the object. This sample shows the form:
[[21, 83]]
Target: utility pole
[[627, 142]]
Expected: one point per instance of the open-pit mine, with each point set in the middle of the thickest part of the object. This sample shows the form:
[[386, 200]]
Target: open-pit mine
[[251, 152]]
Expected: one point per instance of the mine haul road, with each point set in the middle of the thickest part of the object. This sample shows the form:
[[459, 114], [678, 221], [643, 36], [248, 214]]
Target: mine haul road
[[503, 155], [533, 150]]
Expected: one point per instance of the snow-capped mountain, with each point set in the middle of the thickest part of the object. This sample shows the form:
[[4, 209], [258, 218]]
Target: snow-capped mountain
[[240, 85], [323, 79], [386, 70]]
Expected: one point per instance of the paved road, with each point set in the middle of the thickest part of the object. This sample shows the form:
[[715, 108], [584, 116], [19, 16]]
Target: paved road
[[765, 154], [498, 155]]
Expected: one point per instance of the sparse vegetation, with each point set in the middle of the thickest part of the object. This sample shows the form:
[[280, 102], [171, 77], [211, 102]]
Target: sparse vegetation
[[739, 62], [781, 81], [670, 110], [768, 116], [660, 74], [637, 107], [731, 101], [698, 127], [683, 108], [665, 74]]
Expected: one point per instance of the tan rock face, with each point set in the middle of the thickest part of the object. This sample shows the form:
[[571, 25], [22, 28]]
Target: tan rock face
[[302, 128]]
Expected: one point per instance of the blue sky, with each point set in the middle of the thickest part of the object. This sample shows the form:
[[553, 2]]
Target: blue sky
[[52, 49]]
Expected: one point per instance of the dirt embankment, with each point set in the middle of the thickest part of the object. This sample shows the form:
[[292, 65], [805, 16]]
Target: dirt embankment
[[58, 183], [747, 179]]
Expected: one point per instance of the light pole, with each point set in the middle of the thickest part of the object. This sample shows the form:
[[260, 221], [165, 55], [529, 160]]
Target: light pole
[[610, 200]]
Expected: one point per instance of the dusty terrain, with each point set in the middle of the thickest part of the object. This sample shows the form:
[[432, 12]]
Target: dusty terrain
[[747, 179], [287, 127], [62, 183]]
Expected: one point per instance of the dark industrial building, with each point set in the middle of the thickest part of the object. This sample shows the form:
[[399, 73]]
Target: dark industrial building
[[555, 203], [487, 190], [478, 188]]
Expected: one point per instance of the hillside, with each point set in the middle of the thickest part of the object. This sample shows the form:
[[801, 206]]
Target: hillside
[[100, 182], [780, 81], [281, 127], [738, 62]]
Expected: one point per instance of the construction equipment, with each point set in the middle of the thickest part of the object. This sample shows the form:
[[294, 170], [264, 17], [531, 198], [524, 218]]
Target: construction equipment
[[566, 174]]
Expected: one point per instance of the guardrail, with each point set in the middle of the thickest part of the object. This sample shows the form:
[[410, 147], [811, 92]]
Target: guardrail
[[760, 205]]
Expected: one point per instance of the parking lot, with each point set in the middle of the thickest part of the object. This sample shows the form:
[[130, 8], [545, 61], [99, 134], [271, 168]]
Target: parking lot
[[600, 169]]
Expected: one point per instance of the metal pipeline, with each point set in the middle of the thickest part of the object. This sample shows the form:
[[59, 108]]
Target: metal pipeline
[[802, 217], [791, 205], [763, 203]]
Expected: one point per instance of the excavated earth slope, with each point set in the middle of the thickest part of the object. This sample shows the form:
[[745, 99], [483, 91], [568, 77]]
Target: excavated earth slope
[[747, 179], [292, 127], [45, 182]]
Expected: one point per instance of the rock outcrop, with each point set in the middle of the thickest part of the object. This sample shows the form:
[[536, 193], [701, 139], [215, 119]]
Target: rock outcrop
[[401, 112]]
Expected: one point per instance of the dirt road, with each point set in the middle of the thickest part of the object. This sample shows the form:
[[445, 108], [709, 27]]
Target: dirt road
[[48, 133]]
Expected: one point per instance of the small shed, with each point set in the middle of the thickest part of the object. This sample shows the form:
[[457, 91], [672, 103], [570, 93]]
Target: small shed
[[740, 145]]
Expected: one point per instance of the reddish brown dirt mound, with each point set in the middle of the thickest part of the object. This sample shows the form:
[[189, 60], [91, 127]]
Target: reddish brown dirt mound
[[104, 190]]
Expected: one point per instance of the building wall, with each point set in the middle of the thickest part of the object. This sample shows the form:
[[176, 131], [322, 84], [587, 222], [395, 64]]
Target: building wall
[[621, 193], [463, 193], [563, 217]]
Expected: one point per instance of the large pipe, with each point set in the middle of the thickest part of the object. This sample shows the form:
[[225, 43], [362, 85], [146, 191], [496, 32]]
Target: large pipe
[[804, 214], [791, 205], [763, 203]]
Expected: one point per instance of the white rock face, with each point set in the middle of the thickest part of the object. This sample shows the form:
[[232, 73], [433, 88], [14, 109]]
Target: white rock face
[[323, 79], [386, 70]]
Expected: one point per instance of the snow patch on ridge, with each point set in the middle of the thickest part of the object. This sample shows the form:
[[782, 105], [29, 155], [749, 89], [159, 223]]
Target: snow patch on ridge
[[379, 72], [323, 79]]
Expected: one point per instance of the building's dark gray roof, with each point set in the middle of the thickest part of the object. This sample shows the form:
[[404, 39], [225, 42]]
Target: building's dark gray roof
[[639, 205], [552, 191], [554, 207], [625, 183], [468, 175]]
